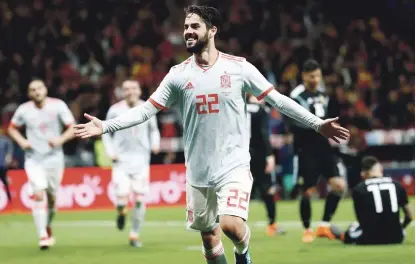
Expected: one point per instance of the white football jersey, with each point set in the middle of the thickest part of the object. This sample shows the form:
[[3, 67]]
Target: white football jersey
[[41, 125], [212, 103], [131, 146]]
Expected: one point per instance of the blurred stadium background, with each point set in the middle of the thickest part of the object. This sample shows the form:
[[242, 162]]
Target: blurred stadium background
[[83, 50]]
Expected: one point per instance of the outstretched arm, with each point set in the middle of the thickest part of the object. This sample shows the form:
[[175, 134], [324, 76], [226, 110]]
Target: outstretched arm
[[134, 116], [293, 110], [164, 96], [290, 108], [256, 84]]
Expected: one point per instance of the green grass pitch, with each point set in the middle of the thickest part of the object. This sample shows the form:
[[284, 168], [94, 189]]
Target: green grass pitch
[[91, 237]]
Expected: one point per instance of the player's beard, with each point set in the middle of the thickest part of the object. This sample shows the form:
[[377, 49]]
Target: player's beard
[[312, 86], [199, 46], [132, 101], [39, 100]]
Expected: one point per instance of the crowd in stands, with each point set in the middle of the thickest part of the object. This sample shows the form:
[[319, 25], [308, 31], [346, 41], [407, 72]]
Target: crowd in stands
[[84, 50]]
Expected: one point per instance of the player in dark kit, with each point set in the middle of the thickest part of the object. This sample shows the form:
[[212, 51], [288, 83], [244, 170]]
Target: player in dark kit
[[377, 204], [262, 163], [314, 156]]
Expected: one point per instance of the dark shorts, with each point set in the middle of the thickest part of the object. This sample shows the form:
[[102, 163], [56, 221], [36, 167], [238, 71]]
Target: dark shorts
[[355, 235], [309, 167]]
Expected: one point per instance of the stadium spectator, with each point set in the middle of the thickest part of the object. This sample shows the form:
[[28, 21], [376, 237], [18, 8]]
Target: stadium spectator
[[83, 51]]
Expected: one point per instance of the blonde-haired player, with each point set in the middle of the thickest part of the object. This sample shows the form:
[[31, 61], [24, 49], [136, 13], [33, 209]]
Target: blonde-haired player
[[130, 151], [44, 119]]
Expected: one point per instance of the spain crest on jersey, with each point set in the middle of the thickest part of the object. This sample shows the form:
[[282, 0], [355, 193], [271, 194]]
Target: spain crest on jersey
[[225, 81]]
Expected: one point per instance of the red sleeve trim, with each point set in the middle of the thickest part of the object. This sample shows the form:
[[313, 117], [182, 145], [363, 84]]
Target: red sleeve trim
[[265, 93], [13, 125], [68, 125], [156, 104]]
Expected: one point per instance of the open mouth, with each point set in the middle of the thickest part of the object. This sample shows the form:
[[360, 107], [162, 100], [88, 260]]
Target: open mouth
[[191, 39]]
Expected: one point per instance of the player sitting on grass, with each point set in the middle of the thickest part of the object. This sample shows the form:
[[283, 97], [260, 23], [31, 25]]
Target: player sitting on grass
[[377, 203], [210, 88]]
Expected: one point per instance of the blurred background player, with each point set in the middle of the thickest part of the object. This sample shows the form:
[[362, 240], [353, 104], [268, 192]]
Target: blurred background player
[[262, 163], [6, 158], [130, 151], [377, 203], [43, 119], [210, 88], [314, 156]]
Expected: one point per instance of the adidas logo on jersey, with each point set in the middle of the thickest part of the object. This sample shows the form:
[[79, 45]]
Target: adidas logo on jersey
[[189, 86]]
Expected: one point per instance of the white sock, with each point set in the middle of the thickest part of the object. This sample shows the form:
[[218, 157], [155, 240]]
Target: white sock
[[324, 223], [215, 255], [40, 217], [137, 217], [241, 246]]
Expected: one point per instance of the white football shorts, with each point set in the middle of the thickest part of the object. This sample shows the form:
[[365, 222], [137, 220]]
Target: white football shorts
[[44, 178], [125, 182], [205, 204]]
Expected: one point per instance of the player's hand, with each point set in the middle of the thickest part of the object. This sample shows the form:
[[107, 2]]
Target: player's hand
[[155, 151], [330, 129], [55, 142], [270, 164], [26, 145], [90, 129]]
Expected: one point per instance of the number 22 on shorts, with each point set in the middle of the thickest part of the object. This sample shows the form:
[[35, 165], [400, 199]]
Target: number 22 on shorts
[[207, 104], [237, 198]]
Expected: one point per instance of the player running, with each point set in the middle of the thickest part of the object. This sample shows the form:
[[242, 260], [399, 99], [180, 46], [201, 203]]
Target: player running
[[130, 150], [43, 118], [210, 89], [377, 203], [314, 155]]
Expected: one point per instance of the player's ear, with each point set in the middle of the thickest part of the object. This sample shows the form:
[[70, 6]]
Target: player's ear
[[213, 31]]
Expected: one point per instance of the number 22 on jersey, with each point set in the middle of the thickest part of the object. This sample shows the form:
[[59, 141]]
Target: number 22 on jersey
[[207, 104]]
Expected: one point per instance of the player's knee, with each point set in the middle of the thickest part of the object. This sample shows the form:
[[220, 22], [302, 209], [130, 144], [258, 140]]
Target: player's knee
[[38, 196], [308, 193], [51, 198], [338, 185], [212, 238], [231, 225], [122, 199], [138, 198]]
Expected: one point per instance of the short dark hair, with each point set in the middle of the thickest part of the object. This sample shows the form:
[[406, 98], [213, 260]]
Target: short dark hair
[[210, 15], [368, 163], [310, 65]]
